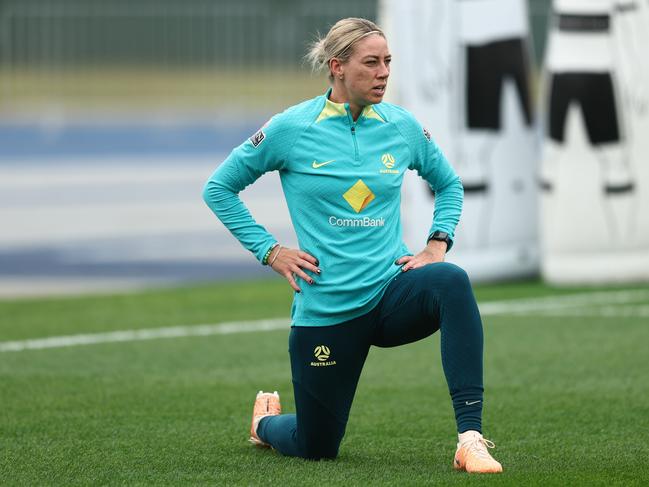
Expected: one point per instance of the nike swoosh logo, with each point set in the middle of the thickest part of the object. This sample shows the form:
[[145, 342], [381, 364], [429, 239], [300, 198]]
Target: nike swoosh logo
[[316, 165], [471, 403]]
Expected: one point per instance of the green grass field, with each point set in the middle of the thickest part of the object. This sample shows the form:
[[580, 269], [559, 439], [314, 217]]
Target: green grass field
[[567, 398]]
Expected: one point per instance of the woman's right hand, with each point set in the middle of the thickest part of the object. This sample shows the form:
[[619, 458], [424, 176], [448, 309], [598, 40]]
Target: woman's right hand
[[291, 263]]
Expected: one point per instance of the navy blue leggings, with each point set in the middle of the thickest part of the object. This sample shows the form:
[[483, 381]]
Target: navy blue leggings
[[326, 362]]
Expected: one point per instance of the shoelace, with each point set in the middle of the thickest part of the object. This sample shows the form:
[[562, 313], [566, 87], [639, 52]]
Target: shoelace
[[479, 446]]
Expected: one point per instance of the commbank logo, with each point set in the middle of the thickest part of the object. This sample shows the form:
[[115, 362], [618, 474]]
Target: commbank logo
[[359, 196], [322, 354]]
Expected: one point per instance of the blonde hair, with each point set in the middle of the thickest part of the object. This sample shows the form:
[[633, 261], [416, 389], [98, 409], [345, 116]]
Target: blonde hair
[[339, 42]]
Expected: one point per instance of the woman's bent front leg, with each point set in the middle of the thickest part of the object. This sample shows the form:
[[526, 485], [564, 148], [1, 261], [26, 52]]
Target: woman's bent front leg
[[326, 363]]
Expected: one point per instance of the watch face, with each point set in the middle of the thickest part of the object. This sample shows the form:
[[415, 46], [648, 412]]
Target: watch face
[[440, 235]]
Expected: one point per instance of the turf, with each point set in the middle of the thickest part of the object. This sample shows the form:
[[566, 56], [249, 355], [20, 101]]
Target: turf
[[567, 398]]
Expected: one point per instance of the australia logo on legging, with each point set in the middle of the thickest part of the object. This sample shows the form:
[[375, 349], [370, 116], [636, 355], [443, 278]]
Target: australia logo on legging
[[322, 353]]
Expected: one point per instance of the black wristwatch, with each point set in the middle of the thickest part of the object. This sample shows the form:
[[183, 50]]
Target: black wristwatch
[[442, 237]]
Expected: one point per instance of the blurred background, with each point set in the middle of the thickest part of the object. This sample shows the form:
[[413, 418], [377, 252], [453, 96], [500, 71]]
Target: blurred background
[[113, 113]]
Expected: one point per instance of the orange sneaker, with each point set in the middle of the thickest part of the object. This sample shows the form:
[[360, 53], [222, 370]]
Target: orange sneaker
[[266, 404], [472, 454]]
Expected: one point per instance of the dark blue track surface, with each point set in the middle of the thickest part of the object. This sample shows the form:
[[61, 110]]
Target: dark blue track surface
[[22, 140], [107, 145], [38, 262]]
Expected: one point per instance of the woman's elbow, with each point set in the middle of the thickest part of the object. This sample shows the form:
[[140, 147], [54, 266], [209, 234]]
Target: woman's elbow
[[208, 189]]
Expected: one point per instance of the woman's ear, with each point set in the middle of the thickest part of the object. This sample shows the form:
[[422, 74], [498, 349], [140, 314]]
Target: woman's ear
[[336, 68]]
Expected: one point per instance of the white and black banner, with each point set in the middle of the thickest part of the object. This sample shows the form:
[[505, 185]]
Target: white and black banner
[[463, 68], [595, 165]]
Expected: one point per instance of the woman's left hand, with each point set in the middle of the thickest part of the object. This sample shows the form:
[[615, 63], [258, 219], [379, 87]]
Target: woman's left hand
[[434, 252]]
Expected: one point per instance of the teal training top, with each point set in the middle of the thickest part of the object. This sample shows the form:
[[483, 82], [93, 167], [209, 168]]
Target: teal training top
[[342, 183]]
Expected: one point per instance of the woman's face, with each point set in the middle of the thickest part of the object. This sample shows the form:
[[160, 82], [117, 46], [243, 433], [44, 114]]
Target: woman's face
[[365, 74]]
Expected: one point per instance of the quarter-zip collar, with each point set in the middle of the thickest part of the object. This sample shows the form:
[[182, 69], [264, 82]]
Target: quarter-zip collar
[[333, 109]]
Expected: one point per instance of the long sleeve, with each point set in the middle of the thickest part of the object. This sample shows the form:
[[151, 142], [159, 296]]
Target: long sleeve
[[432, 166], [263, 152]]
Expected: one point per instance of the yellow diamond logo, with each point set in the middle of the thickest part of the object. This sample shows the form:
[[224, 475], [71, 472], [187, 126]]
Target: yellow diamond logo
[[359, 196]]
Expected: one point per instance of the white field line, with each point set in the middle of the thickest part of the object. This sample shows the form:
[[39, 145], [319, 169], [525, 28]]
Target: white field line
[[629, 311], [605, 303], [565, 302], [146, 334]]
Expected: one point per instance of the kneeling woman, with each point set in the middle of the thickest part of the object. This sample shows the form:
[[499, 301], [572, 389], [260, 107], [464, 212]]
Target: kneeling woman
[[341, 158]]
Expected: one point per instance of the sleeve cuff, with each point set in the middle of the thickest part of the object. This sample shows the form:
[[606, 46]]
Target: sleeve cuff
[[264, 259]]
